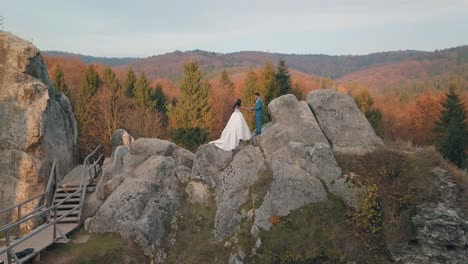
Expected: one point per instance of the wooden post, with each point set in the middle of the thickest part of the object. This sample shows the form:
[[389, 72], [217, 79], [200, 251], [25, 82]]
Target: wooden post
[[55, 222], [19, 226], [7, 244]]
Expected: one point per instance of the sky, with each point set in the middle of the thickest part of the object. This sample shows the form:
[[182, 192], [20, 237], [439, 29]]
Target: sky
[[141, 28]]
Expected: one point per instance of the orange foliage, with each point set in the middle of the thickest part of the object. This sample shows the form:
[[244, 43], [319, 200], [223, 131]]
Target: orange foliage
[[72, 67]]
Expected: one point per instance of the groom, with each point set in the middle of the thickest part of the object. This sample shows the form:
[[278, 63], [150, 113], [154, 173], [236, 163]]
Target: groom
[[258, 114]]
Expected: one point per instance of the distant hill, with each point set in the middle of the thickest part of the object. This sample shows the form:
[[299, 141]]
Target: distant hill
[[113, 62], [378, 71], [170, 65]]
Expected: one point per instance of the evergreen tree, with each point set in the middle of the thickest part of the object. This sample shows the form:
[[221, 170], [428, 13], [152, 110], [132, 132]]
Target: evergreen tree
[[193, 108], [88, 89], [158, 99], [365, 103], [251, 85], [110, 79], [451, 128], [129, 84], [225, 82], [269, 87], [283, 78], [142, 95], [59, 82]]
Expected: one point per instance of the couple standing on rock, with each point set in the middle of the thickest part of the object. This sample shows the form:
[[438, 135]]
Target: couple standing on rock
[[236, 129]]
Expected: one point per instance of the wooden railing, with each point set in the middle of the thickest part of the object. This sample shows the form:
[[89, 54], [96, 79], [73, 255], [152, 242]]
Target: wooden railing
[[42, 197], [46, 209]]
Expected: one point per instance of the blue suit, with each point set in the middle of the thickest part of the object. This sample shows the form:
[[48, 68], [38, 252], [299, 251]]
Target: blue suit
[[258, 116]]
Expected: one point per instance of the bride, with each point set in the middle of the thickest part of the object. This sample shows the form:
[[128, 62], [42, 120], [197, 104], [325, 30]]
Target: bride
[[235, 130]]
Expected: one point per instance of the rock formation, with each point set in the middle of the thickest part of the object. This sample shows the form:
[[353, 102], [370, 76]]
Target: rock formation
[[441, 232], [344, 125], [37, 123], [142, 190]]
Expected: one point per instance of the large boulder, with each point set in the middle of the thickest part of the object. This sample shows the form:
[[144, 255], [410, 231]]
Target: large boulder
[[152, 146], [142, 205], [292, 121], [232, 190], [440, 229], [344, 125], [37, 123], [209, 161], [140, 191], [120, 137], [112, 173]]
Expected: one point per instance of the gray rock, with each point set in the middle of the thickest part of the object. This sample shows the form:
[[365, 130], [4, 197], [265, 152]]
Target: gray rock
[[232, 190], [184, 157], [112, 173], [210, 160], [441, 231], [37, 124], [184, 174], [140, 207], [198, 192], [299, 173], [292, 121], [120, 137], [344, 125], [87, 224], [91, 205], [152, 146]]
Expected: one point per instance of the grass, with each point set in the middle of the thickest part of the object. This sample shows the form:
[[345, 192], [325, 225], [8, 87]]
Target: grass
[[315, 233], [100, 248], [405, 180], [194, 241]]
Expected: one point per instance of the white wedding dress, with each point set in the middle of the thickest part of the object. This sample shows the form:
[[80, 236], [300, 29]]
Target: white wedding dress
[[235, 130]]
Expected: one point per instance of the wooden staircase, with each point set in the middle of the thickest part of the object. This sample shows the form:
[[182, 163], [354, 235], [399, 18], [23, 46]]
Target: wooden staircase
[[62, 192], [62, 212]]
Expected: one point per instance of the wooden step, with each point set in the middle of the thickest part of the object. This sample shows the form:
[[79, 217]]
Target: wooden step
[[71, 200], [65, 195], [69, 219], [66, 206]]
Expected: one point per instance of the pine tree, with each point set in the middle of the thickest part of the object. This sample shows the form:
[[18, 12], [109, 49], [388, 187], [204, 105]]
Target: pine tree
[[269, 87], [225, 82], [129, 84], [88, 89], [451, 128], [142, 91], [110, 79], [159, 100], [191, 114], [251, 85], [365, 103], [283, 78], [59, 82]]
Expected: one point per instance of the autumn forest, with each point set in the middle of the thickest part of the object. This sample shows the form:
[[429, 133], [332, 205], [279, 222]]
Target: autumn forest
[[187, 97]]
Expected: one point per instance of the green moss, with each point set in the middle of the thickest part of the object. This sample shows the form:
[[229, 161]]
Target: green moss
[[315, 233], [100, 248], [194, 241]]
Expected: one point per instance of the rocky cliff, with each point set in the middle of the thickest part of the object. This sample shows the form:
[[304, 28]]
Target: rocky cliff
[[37, 123], [146, 185]]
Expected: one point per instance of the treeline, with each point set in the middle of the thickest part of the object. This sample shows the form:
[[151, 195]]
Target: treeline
[[106, 100]]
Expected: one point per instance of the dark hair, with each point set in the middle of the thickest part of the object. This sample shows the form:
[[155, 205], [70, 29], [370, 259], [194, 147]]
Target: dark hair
[[238, 103], [257, 93]]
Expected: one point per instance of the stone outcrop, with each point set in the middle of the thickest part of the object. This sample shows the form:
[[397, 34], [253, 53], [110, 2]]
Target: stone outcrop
[[233, 187], [37, 123], [121, 137], [141, 189], [441, 231], [302, 163], [344, 125], [292, 121]]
